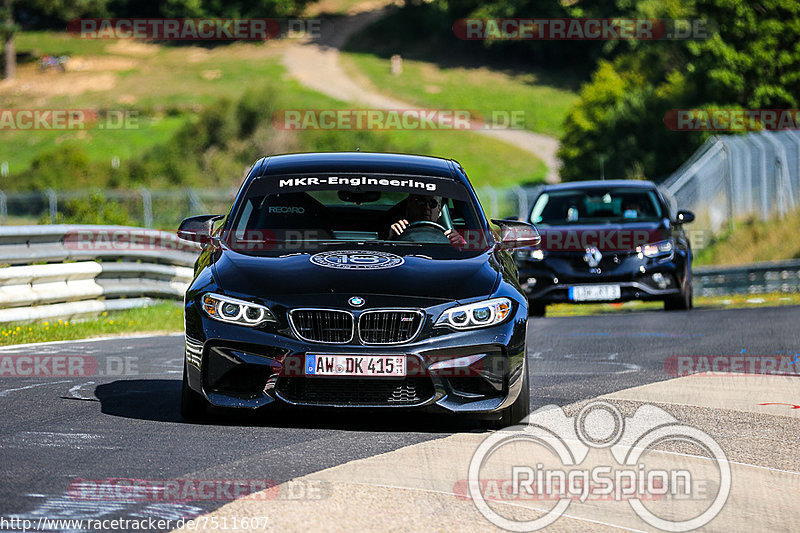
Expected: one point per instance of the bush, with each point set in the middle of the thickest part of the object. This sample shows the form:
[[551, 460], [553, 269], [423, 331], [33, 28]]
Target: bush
[[66, 167], [94, 209]]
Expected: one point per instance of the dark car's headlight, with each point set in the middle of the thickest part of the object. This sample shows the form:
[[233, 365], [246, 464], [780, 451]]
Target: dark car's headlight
[[656, 249], [476, 315], [530, 255], [235, 311]]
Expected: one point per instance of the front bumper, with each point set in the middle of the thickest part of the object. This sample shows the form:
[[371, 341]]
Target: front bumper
[[478, 371], [645, 279]]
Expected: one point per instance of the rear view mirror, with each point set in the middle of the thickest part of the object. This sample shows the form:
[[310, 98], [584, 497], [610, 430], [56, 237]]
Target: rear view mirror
[[198, 228], [516, 234], [354, 197]]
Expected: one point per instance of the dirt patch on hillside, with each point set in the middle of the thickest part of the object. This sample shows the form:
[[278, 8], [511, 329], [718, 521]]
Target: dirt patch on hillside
[[100, 64], [52, 84], [129, 47]]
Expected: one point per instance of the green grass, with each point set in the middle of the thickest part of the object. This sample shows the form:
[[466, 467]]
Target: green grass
[[101, 145], [753, 241], [164, 317], [168, 85], [487, 161], [700, 302], [422, 83]]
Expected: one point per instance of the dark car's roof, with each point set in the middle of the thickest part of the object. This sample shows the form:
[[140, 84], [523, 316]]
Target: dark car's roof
[[600, 184], [348, 162]]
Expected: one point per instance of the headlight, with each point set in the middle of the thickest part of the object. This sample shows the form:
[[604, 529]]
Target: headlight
[[656, 249], [477, 315], [234, 311], [535, 255]]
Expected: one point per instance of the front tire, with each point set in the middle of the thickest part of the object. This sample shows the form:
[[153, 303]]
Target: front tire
[[536, 309], [516, 412], [193, 405], [682, 302]]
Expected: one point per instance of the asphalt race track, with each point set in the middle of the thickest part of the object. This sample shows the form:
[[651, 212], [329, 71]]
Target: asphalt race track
[[119, 419]]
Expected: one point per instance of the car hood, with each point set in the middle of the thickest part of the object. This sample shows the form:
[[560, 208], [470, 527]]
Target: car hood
[[426, 274], [604, 237]]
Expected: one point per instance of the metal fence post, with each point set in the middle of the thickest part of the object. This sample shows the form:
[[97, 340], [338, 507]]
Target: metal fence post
[[522, 201], [494, 206], [3, 207], [729, 180], [195, 204], [52, 199], [147, 207], [783, 182]]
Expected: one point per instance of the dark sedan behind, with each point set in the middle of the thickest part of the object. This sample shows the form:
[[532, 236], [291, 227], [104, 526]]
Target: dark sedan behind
[[606, 241]]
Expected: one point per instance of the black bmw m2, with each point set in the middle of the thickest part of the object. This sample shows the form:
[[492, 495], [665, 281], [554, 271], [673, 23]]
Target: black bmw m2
[[357, 280]]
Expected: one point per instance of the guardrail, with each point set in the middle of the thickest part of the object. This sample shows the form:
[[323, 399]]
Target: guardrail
[[67, 271], [755, 278]]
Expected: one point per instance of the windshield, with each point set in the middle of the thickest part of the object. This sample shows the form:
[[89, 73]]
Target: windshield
[[596, 206], [310, 210]]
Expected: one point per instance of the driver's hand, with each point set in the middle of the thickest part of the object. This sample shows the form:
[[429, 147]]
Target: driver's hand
[[399, 226], [456, 240]]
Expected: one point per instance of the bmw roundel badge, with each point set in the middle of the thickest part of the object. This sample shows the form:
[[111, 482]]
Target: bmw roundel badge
[[356, 301]]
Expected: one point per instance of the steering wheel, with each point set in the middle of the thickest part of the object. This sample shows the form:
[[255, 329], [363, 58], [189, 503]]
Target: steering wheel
[[424, 231]]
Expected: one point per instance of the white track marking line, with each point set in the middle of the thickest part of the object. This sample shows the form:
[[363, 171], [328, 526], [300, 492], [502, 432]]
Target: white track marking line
[[91, 339], [8, 391], [74, 391]]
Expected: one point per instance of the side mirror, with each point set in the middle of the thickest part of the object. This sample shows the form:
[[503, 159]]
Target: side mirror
[[684, 217], [516, 234], [198, 229]]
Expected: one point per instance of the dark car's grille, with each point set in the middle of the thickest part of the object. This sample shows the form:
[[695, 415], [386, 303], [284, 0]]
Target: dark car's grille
[[355, 391], [322, 325], [389, 327]]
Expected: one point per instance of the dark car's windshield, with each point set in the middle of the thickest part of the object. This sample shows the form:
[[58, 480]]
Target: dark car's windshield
[[596, 206], [316, 209]]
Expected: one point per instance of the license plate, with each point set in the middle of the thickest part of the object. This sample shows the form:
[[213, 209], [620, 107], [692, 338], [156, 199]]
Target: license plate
[[584, 293], [355, 365]]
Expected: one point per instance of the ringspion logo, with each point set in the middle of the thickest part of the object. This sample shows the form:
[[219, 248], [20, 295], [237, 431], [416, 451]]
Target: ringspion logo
[[598, 455]]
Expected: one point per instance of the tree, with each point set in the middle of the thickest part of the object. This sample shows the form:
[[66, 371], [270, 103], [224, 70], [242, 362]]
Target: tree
[[752, 61], [9, 51], [61, 10]]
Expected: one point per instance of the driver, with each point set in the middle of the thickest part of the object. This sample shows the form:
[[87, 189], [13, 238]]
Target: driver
[[425, 208]]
